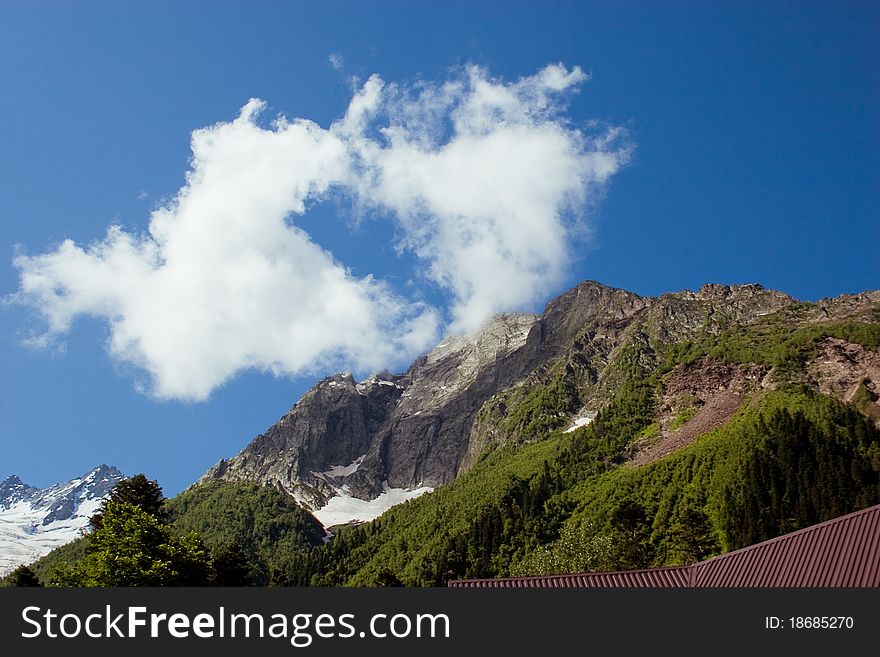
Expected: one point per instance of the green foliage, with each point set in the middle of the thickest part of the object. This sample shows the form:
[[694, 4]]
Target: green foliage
[[785, 346], [566, 505], [580, 548], [600, 445], [232, 566], [649, 432], [630, 533], [220, 534], [544, 408], [549, 502], [802, 465], [21, 576], [268, 526], [681, 419], [133, 548], [792, 461], [776, 341], [690, 536], [137, 491], [492, 517], [862, 397], [69, 553], [441, 534], [386, 578]]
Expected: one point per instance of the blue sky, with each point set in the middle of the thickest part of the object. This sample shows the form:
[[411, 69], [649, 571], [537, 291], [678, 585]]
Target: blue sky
[[714, 142]]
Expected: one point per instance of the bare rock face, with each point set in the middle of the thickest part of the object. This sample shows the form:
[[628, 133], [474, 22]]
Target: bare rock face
[[413, 430], [332, 425], [400, 431], [679, 316], [428, 431]]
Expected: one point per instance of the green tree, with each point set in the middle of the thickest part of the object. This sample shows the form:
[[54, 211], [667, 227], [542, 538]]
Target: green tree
[[691, 537], [581, 548], [139, 491], [231, 567], [630, 529], [22, 576], [386, 578], [133, 548], [268, 525]]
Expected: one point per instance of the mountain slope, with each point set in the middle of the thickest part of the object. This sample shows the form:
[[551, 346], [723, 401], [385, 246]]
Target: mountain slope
[[35, 521], [266, 524], [393, 437], [568, 504], [781, 456]]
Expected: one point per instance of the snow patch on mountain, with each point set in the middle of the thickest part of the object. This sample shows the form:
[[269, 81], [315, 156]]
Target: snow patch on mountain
[[343, 509], [345, 470], [582, 421]]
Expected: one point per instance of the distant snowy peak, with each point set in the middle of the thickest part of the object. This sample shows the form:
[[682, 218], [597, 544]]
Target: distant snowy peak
[[34, 521], [62, 501], [14, 490]]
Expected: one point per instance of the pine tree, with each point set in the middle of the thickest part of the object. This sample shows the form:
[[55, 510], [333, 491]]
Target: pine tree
[[231, 567], [386, 578], [691, 537], [23, 576], [630, 529], [138, 491]]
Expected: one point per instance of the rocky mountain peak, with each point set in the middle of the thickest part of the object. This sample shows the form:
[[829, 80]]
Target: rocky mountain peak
[[454, 364], [13, 490]]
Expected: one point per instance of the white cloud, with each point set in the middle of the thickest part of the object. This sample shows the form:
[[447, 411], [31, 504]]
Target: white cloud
[[221, 282], [486, 181]]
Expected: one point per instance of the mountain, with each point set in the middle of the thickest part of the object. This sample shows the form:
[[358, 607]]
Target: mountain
[[35, 521], [350, 450], [664, 431]]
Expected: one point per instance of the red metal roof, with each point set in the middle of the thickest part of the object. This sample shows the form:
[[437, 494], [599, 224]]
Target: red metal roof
[[653, 578], [840, 552]]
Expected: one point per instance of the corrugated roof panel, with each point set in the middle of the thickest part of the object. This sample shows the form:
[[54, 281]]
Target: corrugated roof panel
[[840, 552], [655, 577]]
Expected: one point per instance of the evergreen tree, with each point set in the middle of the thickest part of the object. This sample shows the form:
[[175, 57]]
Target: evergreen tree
[[386, 578], [690, 538], [138, 491], [231, 567], [630, 529], [22, 576]]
